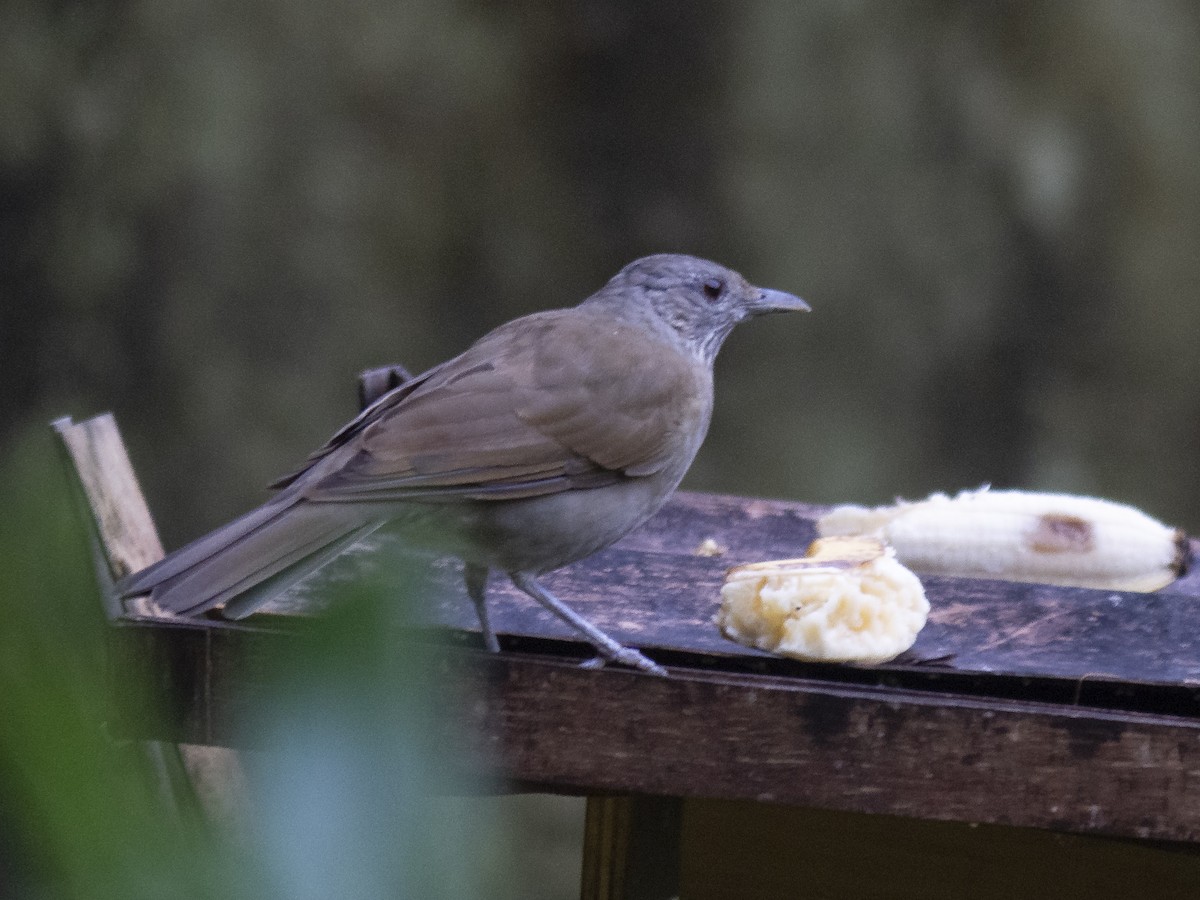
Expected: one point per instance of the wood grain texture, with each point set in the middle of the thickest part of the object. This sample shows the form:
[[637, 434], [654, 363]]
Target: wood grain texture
[[114, 497], [651, 590], [792, 740], [868, 750], [123, 539]]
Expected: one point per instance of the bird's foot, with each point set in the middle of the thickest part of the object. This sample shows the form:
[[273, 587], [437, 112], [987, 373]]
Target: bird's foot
[[625, 656], [635, 659], [610, 649], [476, 578]]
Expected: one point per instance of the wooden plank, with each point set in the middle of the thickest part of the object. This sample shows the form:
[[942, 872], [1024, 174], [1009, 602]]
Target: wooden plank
[[115, 505], [631, 848], [868, 750], [787, 740], [124, 539], [653, 592]]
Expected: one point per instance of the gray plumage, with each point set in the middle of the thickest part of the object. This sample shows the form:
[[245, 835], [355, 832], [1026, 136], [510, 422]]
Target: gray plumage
[[548, 439]]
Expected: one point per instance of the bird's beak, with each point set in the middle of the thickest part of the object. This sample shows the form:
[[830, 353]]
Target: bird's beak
[[769, 301]]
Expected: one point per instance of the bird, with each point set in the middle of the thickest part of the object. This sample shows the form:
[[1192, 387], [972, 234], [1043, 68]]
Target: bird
[[547, 440]]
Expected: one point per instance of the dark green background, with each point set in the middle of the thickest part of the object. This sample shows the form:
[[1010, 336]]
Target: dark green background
[[216, 214]]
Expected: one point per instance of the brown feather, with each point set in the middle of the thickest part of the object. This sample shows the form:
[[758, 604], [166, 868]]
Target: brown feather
[[533, 408]]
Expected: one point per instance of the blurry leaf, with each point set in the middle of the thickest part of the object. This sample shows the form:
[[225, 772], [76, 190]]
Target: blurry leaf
[[345, 796], [83, 808]]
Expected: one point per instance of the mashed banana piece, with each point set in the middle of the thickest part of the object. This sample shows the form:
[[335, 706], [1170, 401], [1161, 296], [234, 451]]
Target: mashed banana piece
[[848, 600]]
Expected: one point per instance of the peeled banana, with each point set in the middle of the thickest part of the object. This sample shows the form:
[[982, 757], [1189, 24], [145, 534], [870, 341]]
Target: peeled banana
[[1023, 536]]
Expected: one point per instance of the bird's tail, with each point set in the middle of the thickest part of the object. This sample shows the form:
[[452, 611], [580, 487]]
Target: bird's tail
[[250, 560]]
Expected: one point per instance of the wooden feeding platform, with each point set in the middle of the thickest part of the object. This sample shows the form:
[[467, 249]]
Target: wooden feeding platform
[[1036, 740]]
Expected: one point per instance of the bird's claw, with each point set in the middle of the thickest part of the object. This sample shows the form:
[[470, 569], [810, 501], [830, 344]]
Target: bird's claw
[[625, 656]]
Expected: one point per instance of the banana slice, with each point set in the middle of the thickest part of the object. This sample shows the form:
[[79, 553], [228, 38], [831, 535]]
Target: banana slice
[[848, 600], [1023, 536]]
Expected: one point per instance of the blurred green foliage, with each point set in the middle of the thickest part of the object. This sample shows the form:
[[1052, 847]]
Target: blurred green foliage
[[81, 813], [213, 215], [344, 794], [349, 792]]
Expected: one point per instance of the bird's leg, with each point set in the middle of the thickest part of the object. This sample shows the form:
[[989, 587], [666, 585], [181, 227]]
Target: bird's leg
[[476, 577], [608, 648]]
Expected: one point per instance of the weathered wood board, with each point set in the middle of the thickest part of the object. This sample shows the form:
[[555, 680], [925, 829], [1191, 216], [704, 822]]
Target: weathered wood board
[[1037, 706], [654, 591], [791, 740]]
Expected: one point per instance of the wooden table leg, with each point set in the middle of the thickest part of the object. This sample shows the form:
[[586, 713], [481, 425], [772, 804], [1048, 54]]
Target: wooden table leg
[[631, 848]]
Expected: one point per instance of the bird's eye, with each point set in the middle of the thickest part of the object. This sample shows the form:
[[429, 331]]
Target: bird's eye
[[713, 288]]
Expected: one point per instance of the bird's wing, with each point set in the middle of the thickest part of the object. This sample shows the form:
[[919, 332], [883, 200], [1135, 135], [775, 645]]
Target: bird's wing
[[537, 407], [622, 398]]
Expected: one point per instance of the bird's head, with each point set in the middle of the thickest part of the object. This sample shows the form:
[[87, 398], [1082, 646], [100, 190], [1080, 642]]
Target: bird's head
[[700, 301]]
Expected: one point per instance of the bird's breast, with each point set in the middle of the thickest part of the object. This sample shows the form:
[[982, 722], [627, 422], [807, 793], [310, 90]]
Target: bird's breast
[[539, 534]]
